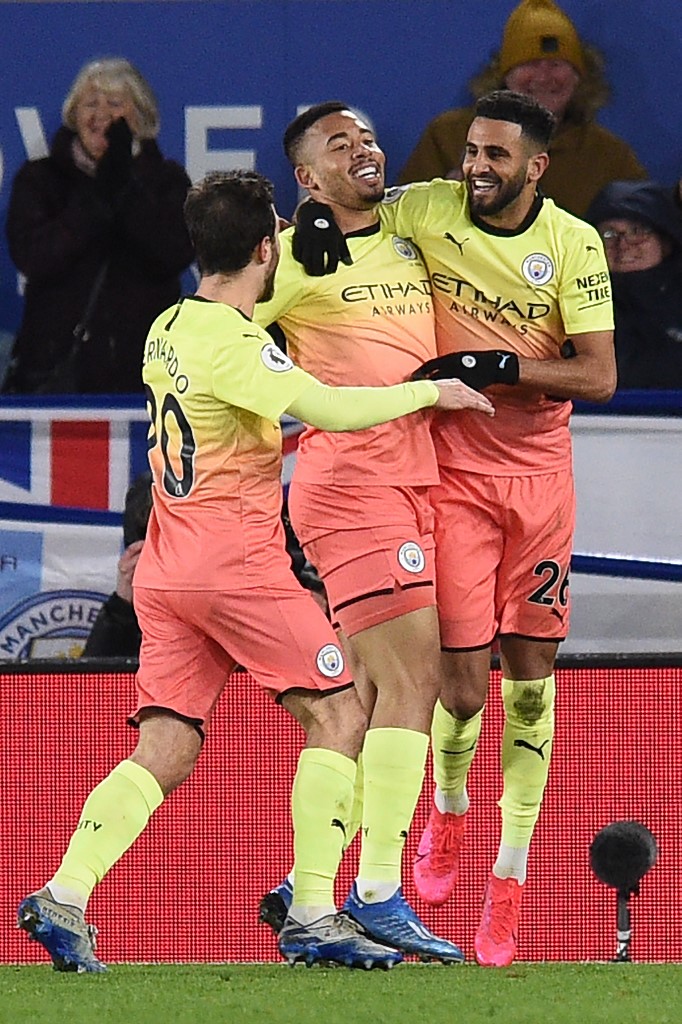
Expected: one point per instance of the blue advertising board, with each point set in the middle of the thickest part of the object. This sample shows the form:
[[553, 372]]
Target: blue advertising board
[[230, 75]]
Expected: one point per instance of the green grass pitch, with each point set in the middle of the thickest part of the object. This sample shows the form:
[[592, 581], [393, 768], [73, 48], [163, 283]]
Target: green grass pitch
[[525, 993]]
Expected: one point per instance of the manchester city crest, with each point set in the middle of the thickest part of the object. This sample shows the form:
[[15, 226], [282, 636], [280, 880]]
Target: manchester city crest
[[537, 268], [411, 557], [330, 661], [404, 248]]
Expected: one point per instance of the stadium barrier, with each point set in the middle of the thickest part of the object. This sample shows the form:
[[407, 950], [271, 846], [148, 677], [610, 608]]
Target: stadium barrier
[[188, 890]]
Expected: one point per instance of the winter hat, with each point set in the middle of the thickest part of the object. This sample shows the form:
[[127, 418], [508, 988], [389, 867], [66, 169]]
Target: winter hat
[[537, 30], [643, 201]]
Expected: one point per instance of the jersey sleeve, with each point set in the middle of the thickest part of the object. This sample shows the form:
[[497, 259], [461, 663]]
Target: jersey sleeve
[[585, 296], [405, 209], [291, 284], [359, 408], [253, 374]]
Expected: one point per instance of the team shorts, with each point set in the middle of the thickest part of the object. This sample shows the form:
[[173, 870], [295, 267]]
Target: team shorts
[[192, 640], [372, 546], [503, 551]]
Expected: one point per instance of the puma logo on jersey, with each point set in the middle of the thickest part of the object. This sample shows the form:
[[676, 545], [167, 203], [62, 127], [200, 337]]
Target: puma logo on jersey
[[460, 245], [591, 248], [529, 746]]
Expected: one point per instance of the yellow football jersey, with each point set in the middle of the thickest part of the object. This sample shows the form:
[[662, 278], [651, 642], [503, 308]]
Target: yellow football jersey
[[216, 386], [527, 291], [368, 324]]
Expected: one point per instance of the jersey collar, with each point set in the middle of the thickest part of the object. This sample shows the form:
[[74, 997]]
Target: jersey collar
[[202, 298], [529, 219], [371, 229]]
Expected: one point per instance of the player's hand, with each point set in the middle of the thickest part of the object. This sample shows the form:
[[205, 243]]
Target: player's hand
[[127, 564], [454, 395], [318, 243], [477, 369]]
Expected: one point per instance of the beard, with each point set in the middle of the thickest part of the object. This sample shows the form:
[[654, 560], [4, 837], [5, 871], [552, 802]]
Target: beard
[[510, 190], [268, 289], [375, 194]]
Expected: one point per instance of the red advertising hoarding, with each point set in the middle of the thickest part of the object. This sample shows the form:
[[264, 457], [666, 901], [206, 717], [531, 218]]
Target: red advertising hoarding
[[189, 888]]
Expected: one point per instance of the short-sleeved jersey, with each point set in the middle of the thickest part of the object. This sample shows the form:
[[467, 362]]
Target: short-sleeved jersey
[[216, 386], [527, 291], [369, 324]]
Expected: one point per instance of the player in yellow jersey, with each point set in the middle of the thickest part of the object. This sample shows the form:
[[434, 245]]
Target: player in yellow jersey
[[214, 588], [359, 502], [518, 284]]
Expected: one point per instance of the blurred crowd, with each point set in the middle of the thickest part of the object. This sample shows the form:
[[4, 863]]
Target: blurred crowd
[[96, 227]]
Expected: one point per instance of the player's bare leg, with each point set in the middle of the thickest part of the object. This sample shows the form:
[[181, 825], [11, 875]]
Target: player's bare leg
[[113, 816], [367, 694], [528, 690], [322, 799], [364, 687], [454, 737], [274, 905], [401, 658]]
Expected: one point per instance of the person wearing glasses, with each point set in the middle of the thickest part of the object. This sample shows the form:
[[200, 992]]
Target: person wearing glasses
[[641, 228]]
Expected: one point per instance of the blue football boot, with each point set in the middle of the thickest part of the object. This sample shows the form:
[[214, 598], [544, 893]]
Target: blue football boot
[[274, 906], [333, 940], [62, 931], [394, 923]]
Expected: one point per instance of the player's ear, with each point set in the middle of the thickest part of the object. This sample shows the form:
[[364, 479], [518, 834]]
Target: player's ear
[[263, 251], [304, 176], [537, 165]]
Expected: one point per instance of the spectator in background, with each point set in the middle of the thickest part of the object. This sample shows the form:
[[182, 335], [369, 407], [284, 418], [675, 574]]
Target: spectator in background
[[641, 228], [97, 229], [543, 57]]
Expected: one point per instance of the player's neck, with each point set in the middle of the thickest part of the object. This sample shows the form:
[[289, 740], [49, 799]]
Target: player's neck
[[353, 220], [237, 290], [514, 215]]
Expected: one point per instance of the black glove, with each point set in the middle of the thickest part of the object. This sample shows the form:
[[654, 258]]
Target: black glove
[[476, 369], [318, 243], [115, 169]]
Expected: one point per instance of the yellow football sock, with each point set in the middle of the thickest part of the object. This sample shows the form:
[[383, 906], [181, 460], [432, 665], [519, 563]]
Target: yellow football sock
[[112, 818], [526, 751], [393, 761], [453, 742], [355, 818], [321, 800]]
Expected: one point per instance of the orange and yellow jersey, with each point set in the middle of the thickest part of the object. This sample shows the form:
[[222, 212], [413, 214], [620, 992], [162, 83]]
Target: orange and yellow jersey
[[527, 291], [216, 386], [368, 324]]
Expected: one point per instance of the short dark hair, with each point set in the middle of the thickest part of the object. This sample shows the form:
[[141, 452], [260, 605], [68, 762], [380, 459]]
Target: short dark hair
[[227, 214], [300, 125], [537, 122]]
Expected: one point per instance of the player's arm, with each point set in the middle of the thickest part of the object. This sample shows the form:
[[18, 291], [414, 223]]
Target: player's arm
[[359, 408], [590, 373], [319, 245], [250, 372], [587, 313]]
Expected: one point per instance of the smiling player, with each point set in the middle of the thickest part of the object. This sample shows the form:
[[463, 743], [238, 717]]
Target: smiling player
[[514, 279], [359, 503]]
